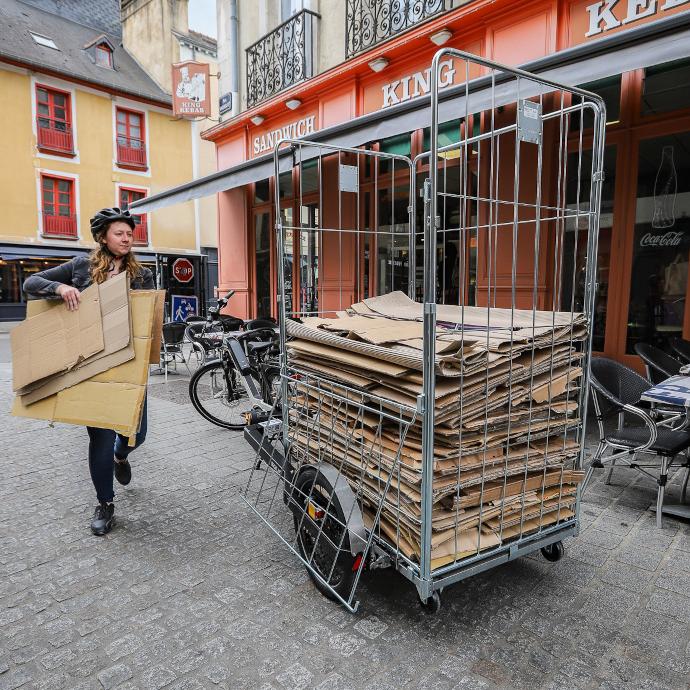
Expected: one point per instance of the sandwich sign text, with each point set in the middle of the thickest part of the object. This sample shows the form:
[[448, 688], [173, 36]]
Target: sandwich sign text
[[292, 130]]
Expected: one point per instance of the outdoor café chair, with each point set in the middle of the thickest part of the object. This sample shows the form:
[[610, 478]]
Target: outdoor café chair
[[659, 364], [616, 390], [171, 346], [682, 348]]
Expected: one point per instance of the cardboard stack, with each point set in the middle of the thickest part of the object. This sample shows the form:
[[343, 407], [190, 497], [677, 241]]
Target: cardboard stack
[[89, 366], [506, 408]]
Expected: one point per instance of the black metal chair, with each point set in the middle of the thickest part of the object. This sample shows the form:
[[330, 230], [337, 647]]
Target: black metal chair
[[682, 348], [620, 389], [659, 364], [171, 346]]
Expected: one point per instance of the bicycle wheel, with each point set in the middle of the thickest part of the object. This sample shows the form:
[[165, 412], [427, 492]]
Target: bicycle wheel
[[218, 396], [271, 390], [319, 525]]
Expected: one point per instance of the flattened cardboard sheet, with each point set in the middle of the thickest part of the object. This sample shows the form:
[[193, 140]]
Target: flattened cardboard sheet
[[56, 340], [112, 399], [116, 319]]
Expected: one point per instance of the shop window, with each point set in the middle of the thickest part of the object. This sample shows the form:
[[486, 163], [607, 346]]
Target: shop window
[[666, 87], [399, 145], [610, 90], [127, 197], [58, 207], [54, 120], [285, 185], [309, 258], [10, 282], [661, 242], [262, 276], [309, 177], [448, 133], [261, 192], [577, 234], [392, 241], [104, 56], [131, 142]]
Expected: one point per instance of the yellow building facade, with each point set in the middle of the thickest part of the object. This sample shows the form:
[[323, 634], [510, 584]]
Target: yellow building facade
[[71, 144]]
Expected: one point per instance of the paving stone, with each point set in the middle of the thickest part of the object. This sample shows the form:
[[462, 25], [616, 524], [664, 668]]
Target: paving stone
[[113, 676], [191, 591]]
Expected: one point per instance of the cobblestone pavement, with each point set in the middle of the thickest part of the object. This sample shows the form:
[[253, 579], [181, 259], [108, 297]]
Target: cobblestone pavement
[[189, 591]]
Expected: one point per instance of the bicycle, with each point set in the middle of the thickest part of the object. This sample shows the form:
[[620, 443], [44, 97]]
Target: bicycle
[[244, 382], [206, 335]]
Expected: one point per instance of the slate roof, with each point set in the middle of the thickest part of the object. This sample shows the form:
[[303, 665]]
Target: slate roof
[[103, 15], [18, 18]]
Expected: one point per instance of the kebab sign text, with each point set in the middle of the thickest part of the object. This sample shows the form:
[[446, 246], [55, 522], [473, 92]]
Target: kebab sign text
[[191, 89]]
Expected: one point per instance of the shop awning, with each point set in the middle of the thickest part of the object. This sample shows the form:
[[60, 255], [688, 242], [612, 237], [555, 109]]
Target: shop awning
[[651, 44]]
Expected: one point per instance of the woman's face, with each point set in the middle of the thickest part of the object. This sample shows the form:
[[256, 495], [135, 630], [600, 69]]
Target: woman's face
[[118, 238]]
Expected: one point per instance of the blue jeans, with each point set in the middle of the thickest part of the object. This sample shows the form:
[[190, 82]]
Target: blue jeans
[[104, 444]]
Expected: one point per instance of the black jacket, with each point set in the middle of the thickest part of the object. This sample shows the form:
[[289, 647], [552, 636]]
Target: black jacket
[[77, 273]]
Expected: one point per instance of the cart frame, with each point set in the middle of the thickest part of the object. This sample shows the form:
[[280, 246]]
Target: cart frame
[[499, 80]]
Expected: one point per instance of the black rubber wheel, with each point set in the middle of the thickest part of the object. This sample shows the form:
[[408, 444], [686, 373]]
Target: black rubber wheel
[[334, 565], [432, 604], [271, 391], [218, 396], [553, 552]]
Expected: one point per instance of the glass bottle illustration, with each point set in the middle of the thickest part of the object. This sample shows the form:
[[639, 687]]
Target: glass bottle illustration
[[665, 187]]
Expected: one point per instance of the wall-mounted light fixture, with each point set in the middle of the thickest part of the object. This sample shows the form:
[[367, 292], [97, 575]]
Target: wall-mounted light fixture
[[293, 103], [378, 64], [257, 119], [441, 37]]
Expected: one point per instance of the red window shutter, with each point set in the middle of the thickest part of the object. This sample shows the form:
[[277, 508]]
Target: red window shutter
[[58, 207], [127, 196], [131, 139], [54, 120]]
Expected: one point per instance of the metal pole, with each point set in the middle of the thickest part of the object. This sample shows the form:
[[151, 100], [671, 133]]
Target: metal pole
[[429, 365]]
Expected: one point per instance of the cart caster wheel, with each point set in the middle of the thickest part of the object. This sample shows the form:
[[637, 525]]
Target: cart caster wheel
[[553, 552], [432, 604]]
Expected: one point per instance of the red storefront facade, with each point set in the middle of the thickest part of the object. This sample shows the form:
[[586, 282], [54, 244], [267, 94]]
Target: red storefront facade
[[643, 290]]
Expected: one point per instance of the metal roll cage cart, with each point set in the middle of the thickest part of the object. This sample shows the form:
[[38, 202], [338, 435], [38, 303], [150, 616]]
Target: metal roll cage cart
[[473, 455]]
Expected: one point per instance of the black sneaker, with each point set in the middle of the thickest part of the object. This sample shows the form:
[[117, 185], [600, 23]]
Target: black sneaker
[[103, 519], [123, 471]]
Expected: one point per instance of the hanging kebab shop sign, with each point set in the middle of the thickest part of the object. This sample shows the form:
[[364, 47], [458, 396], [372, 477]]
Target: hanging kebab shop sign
[[191, 89]]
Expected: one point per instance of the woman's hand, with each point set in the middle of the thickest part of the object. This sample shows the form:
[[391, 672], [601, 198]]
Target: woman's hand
[[70, 295]]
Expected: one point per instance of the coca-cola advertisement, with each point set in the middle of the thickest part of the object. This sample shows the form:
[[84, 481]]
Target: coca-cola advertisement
[[661, 248]]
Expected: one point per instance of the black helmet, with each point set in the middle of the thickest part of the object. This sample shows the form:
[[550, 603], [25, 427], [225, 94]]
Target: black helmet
[[106, 216]]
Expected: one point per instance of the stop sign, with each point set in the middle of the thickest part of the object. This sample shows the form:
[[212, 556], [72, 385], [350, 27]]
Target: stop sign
[[183, 270]]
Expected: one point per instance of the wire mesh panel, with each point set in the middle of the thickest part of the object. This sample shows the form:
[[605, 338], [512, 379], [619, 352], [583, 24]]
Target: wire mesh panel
[[435, 322], [341, 472], [510, 225]]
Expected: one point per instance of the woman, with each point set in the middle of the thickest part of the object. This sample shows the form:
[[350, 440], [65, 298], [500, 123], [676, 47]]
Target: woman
[[113, 230]]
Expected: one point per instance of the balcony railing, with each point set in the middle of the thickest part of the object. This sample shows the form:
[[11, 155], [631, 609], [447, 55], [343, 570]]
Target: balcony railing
[[281, 58], [131, 151], [369, 22], [59, 226], [141, 231], [55, 135]]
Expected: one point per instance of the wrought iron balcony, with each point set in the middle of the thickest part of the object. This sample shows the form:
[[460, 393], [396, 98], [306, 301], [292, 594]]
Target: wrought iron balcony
[[370, 22], [281, 58]]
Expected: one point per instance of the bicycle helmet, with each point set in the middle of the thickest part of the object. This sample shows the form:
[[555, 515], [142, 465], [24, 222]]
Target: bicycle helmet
[[106, 216]]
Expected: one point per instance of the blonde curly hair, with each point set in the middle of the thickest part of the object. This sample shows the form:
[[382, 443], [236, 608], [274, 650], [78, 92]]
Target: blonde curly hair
[[102, 260]]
